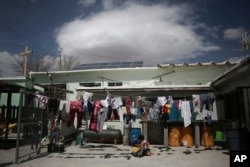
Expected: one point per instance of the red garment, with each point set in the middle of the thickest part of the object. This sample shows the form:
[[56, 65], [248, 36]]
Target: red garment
[[166, 108], [94, 117], [75, 108]]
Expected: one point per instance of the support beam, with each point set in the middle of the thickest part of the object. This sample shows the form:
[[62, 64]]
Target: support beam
[[165, 133], [197, 134]]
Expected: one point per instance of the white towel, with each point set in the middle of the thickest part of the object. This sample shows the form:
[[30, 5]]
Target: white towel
[[186, 113]]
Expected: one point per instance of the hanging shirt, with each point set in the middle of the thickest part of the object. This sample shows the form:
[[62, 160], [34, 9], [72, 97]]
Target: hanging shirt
[[161, 100], [86, 97], [117, 102], [105, 103]]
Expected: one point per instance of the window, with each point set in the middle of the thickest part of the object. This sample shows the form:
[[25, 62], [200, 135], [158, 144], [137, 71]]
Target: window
[[91, 84], [114, 83]]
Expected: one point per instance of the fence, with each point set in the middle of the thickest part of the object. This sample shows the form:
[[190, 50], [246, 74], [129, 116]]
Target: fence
[[31, 128], [8, 123]]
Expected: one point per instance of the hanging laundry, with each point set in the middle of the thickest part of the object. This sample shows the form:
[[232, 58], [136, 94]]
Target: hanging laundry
[[170, 100], [91, 107], [102, 115], [104, 103], [116, 102], [86, 96], [75, 108], [139, 101], [196, 101], [152, 114], [178, 104], [197, 106], [43, 100], [207, 115], [186, 113], [94, 117], [128, 108], [166, 108], [64, 109], [64, 104], [120, 112], [84, 111], [108, 97], [175, 114], [79, 96], [161, 100], [124, 110], [206, 100]]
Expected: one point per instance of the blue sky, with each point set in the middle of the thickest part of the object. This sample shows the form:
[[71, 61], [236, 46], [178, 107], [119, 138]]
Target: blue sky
[[155, 32]]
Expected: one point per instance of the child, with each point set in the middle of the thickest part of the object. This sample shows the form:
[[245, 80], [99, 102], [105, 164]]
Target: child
[[143, 145]]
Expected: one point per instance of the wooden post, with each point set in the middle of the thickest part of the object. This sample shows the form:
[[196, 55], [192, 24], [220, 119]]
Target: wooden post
[[25, 54]]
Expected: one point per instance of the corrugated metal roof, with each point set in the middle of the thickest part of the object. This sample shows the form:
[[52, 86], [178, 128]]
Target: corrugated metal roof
[[212, 63]]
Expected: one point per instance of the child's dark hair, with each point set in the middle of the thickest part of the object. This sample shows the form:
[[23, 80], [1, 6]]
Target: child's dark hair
[[141, 137]]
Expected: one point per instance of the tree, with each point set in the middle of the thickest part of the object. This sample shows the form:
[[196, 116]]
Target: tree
[[67, 63], [35, 63], [38, 63]]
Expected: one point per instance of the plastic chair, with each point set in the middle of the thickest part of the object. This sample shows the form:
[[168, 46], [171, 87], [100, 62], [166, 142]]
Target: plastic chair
[[220, 138]]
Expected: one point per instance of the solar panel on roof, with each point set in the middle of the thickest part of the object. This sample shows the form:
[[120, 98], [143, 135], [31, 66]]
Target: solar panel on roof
[[110, 65]]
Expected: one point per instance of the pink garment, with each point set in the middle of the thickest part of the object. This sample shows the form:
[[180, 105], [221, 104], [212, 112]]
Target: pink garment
[[43, 100], [178, 104], [196, 103], [129, 104], [170, 100]]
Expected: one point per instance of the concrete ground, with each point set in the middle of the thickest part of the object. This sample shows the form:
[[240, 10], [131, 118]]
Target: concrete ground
[[108, 155]]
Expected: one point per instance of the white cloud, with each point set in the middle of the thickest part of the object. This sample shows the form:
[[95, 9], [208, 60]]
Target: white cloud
[[109, 4], [234, 33], [6, 63], [154, 34], [6, 57]]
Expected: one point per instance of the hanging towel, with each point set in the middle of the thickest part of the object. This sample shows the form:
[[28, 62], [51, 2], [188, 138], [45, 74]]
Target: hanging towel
[[186, 113]]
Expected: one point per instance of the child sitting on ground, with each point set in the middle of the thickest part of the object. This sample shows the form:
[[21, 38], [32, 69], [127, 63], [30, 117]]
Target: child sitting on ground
[[144, 148]]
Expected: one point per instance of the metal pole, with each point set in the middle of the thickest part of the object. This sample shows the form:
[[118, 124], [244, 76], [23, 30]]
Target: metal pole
[[60, 65], [197, 134], [18, 125], [165, 133]]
